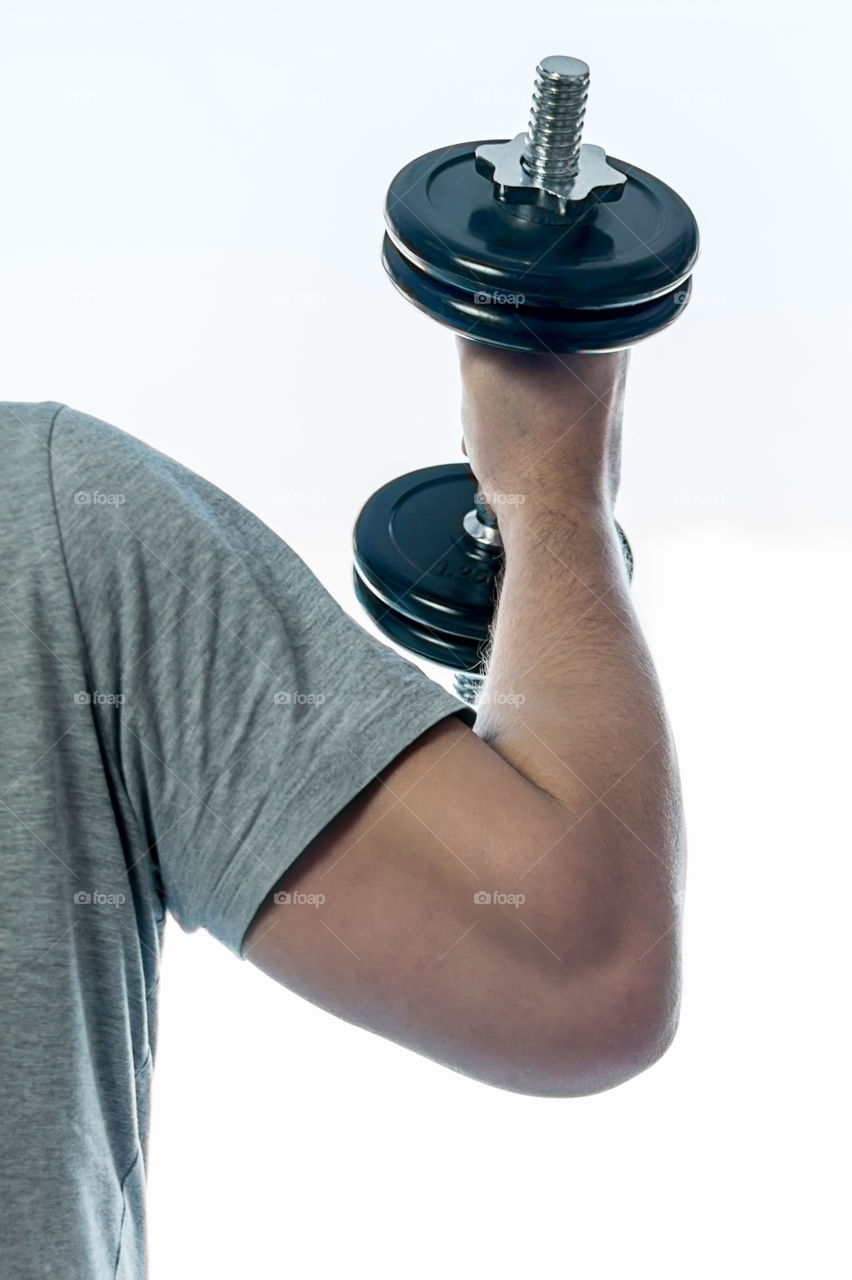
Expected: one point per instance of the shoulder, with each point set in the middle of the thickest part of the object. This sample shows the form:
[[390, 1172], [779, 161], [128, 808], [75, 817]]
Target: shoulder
[[95, 463]]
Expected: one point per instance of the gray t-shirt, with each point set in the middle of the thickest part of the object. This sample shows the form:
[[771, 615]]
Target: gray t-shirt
[[185, 707]]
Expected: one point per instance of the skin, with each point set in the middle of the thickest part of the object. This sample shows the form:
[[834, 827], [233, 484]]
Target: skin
[[563, 802]]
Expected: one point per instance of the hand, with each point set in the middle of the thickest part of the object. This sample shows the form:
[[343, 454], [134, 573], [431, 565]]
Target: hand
[[542, 430]]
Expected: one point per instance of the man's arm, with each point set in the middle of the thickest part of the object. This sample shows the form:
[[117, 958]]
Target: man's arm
[[563, 805]]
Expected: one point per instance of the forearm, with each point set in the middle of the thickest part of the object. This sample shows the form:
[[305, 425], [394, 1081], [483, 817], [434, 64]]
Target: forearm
[[571, 697], [572, 701]]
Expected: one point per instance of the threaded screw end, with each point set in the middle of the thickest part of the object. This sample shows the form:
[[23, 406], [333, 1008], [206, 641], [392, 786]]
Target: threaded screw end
[[552, 148]]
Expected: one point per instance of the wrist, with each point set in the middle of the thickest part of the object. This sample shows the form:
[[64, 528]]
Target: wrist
[[571, 512], [575, 530]]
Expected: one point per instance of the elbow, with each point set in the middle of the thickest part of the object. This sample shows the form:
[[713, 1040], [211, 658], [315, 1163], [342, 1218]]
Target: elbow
[[608, 1062], [587, 1043], [628, 1020], [581, 1075]]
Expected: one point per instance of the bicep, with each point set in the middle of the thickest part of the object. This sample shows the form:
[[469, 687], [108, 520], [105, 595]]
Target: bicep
[[411, 914]]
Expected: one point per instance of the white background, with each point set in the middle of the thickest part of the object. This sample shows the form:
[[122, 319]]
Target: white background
[[191, 221]]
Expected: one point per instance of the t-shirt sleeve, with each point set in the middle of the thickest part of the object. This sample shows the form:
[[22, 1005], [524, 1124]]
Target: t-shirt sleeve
[[239, 705]]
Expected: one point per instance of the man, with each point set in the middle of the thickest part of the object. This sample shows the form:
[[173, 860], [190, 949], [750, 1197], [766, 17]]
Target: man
[[191, 722]]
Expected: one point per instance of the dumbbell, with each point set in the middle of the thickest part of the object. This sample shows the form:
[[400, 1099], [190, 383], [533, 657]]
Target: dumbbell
[[542, 244]]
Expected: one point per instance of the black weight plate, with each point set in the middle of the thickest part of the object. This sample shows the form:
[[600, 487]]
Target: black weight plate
[[443, 217], [412, 552], [448, 651], [525, 328], [419, 576]]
